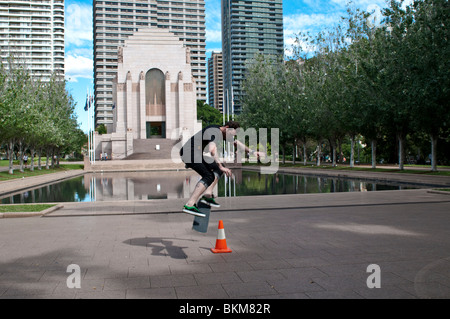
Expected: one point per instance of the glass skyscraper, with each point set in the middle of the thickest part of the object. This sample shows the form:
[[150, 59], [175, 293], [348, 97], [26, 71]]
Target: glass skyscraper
[[249, 27], [215, 80]]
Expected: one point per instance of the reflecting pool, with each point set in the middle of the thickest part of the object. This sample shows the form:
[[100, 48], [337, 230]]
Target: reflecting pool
[[170, 184]]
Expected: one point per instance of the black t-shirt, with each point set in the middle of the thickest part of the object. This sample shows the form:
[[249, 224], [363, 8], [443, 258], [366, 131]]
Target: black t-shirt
[[192, 150]]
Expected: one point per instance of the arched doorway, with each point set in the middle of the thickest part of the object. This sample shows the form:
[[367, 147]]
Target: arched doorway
[[155, 103]]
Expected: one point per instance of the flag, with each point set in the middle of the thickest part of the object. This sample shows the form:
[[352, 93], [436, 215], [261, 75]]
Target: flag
[[86, 107], [89, 101]]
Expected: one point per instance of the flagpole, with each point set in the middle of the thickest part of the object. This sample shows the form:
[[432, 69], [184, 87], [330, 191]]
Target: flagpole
[[228, 107], [93, 128], [232, 104], [228, 118], [232, 116], [223, 107], [89, 125], [223, 115]]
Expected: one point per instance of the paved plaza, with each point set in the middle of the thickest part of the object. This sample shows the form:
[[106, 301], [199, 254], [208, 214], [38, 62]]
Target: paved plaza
[[286, 246]]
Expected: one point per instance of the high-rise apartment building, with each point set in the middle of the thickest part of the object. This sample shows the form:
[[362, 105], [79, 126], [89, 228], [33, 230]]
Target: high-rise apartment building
[[32, 33], [215, 81], [116, 20], [249, 27]]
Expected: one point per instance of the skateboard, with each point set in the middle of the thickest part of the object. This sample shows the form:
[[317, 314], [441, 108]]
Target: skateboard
[[200, 224]]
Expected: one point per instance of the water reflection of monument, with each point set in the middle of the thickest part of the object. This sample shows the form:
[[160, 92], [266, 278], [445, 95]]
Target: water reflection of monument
[[141, 185], [148, 185]]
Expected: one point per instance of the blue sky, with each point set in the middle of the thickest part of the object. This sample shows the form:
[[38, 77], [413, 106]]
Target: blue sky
[[298, 15]]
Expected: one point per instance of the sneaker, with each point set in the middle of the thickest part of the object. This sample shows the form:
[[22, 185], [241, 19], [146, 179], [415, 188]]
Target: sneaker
[[209, 201], [193, 210]]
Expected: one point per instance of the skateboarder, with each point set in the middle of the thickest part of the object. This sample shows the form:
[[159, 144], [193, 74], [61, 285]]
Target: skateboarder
[[208, 166]]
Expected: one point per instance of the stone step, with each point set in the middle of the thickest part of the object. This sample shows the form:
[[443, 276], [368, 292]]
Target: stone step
[[149, 149]]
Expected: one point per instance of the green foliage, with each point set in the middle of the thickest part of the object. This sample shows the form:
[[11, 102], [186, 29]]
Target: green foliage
[[36, 116], [208, 115], [24, 208], [101, 129], [386, 81]]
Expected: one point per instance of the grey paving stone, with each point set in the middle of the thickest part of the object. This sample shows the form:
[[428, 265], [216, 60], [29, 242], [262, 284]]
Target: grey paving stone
[[215, 291], [113, 294], [126, 283], [295, 286], [173, 281], [261, 275], [318, 246], [217, 278], [389, 292], [248, 289], [151, 293], [231, 266], [189, 269]]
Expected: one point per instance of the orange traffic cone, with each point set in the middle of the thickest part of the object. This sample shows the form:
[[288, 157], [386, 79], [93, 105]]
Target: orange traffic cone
[[221, 242]]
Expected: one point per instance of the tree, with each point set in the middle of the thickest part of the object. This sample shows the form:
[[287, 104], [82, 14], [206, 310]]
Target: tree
[[101, 129], [267, 99], [13, 112], [208, 115], [429, 66], [384, 81], [35, 115]]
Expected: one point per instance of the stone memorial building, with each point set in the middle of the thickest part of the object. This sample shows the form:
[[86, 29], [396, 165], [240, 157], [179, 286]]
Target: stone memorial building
[[154, 97]]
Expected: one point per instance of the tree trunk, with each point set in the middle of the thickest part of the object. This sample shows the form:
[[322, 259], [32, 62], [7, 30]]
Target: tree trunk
[[32, 159], [401, 148], [11, 157], [304, 153], [58, 155], [374, 153], [39, 158], [294, 148], [352, 151], [433, 153], [334, 155], [319, 151], [53, 158], [333, 151], [47, 163], [21, 156]]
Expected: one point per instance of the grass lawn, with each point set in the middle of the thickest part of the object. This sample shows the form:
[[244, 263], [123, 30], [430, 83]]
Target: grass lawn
[[24, 208], [4, 176]]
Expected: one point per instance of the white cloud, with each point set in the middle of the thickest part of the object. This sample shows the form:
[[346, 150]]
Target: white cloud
[[213, 35], [318, 15], [79, 38], [213, 21], [78, 67], [306, 23], [78, 25]]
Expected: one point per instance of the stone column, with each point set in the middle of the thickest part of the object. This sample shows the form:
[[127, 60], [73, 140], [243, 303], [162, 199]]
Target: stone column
[[142, 112], [170, 107], [180, 106], [120, 107], [129, 101]]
